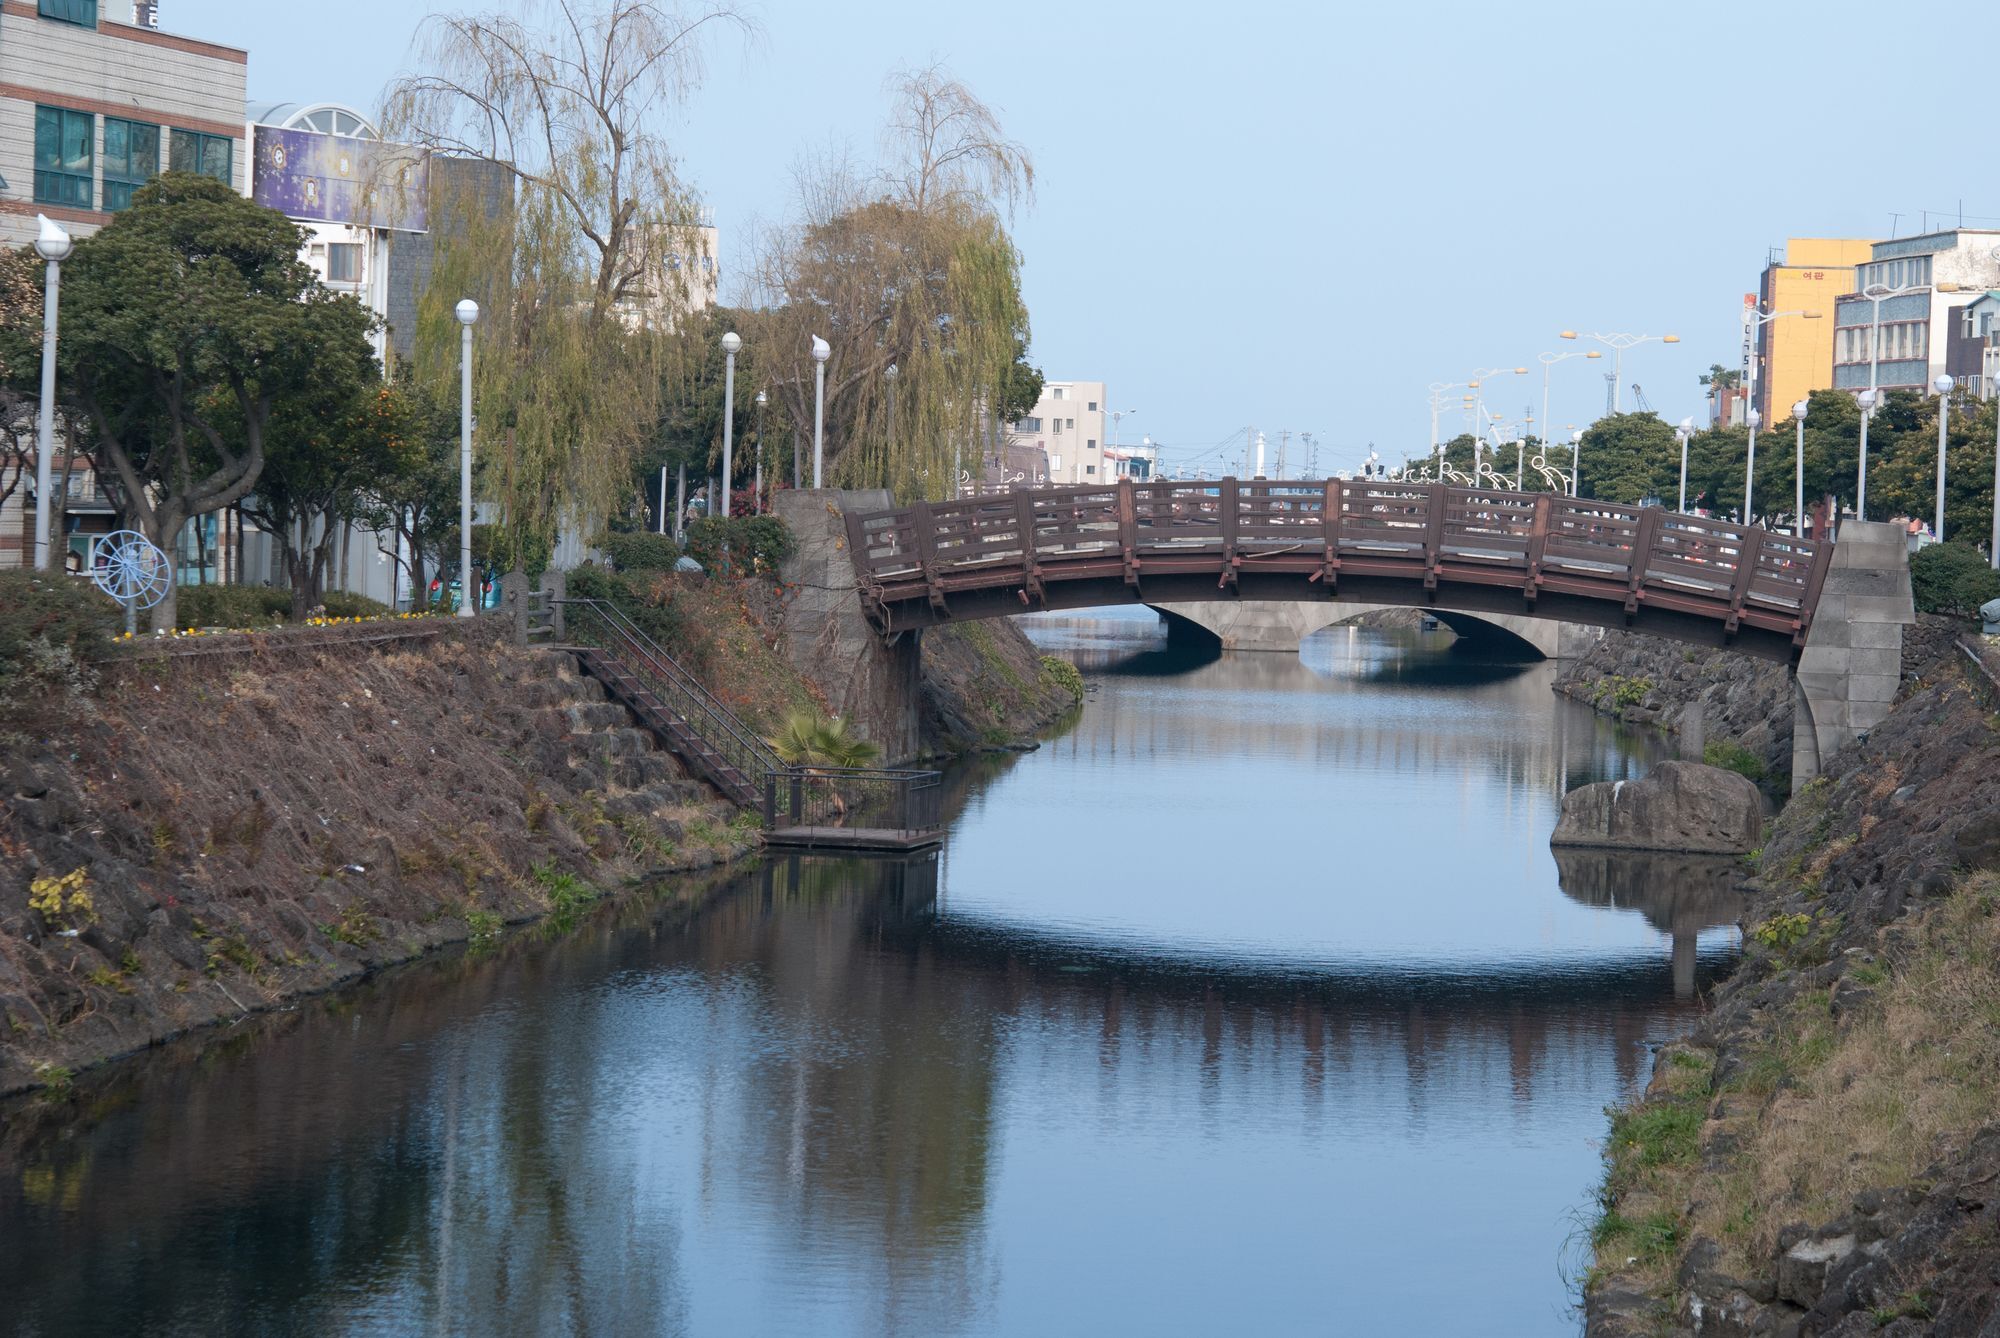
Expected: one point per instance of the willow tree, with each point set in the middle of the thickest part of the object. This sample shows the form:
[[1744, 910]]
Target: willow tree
[[573, 269], [911, 268]]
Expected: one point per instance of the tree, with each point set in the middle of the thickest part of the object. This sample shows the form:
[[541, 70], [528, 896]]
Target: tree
[[187, 321], [20, 322], [415, 500], [1624, 458], [913, 268]]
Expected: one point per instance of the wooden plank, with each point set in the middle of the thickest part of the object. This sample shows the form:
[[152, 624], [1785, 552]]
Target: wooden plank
[[1640, 555], [1538, 543], [1024, 523], [1230, 510], [1440, 497]]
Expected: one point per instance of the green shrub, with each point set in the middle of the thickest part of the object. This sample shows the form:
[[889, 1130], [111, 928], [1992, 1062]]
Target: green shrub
[[756, 544], [1733, 756], [51, 627], [646, 598], [340, 604], [641, 552], [1064, 674], [1952, 578], [231, 606]]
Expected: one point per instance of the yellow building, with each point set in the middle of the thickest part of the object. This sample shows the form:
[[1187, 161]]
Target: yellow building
[[1796, 356]]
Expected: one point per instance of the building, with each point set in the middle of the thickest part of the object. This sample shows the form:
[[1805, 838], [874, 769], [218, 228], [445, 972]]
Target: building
[[1139, 463], [325, 167], [1973, 354], [92, 107], [680, 272], [1067, 428], [1910, 334], [1794, 356]]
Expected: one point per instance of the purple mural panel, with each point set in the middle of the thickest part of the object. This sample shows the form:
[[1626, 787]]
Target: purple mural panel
[[334, 179]]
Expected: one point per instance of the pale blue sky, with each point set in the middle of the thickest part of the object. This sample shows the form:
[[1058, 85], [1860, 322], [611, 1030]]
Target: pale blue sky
[[1300, 216]]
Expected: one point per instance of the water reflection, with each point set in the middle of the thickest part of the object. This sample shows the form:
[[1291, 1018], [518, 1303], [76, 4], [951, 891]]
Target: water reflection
[[1254, 1004]]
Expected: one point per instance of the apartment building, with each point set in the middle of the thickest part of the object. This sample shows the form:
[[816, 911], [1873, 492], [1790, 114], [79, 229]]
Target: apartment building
[[1899, 320], [1067, 428], [92, 106], [1795, 356]]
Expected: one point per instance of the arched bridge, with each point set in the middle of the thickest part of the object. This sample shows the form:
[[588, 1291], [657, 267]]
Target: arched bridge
[[1475, 549]]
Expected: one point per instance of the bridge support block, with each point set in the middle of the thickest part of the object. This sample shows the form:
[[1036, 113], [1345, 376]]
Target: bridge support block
[[873, 686], [1852, 665]]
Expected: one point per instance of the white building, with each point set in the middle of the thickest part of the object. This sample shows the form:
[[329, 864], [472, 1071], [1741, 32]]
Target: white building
[[1919, 333], [1067, 427]]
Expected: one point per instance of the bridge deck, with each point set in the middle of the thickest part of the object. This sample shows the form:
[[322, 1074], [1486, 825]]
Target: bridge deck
[[1536, 553]]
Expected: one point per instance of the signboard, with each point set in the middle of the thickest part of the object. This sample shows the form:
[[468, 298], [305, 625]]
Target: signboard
[[334, 179]]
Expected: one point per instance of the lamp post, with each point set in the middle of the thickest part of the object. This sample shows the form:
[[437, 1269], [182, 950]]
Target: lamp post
[[1943, 387], [1682, 432], [1549, 360], [53, 245], [467, 312], [757, 483], [889, 374], [1575, 460], [1618, 343], [1799, 471], [1754, 320], [1876, 293], [731, 343], [821, 351], [1118, 416]]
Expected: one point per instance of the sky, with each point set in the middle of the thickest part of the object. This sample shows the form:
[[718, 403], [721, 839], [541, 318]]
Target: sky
[[1299, 216]]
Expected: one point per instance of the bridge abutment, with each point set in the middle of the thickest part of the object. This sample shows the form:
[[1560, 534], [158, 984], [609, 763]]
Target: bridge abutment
[[1848, 674], [1281, 625], [875, 687]]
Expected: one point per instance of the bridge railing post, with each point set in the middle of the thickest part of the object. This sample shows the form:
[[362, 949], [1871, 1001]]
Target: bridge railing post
[[1228, 516]]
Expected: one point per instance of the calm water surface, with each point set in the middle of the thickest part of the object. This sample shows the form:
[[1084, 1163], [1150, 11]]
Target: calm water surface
[[1254, 1003]]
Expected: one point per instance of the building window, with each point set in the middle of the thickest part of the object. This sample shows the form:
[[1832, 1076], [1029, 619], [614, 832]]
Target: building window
[[62, 156], [1091, 442], [1027, 425], [1057, 428], [1093, 406], [191, 151], [343, 262], [1069, 423], [70, 11], [1055, 392], [1090, 469], [131, 159]]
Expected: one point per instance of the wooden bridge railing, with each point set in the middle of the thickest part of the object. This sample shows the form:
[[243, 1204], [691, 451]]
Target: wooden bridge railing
[[914, 559]]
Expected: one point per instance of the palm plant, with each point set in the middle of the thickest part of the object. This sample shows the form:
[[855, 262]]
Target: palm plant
[[819, 746]]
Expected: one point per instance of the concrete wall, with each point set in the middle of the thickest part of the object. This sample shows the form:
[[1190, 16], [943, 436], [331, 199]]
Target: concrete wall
[[116, 70]]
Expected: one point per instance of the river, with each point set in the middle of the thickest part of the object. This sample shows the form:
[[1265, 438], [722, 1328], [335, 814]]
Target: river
[[1253, 1003]]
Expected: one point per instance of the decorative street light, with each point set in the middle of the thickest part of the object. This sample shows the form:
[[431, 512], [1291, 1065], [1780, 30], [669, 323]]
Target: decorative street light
[[467, 312], [1943, 387], [1753, 321], [889, 374], [1681, 434], [1118, 416], [821, 350], [1799, 473], [731, 344], [1549, 360], [1618, 343], [53, 245], [1866, 399], [1575, 459]]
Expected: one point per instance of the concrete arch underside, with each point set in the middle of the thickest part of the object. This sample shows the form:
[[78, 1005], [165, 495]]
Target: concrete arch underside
[[1281, 625]]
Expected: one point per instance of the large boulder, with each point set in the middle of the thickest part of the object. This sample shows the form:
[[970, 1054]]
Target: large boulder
[[1682, 806]]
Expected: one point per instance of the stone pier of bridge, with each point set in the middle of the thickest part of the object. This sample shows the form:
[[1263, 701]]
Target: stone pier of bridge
[[1282, 625]]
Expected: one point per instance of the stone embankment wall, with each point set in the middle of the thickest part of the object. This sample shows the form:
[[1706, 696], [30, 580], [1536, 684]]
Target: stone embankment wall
[[1644, 680], [252, 827], [1822, 1156]]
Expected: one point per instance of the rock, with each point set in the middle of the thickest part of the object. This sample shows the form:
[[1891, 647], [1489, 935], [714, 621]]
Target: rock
[[1803, 1268], [1682, 806]]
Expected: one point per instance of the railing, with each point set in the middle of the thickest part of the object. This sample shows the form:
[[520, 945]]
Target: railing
[[900, 802], [599, 623], [1323, 529]]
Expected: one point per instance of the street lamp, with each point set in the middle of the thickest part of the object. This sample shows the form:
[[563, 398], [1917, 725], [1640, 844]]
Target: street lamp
[[889, 374], [1549, 360], [1799, 473], [1575, 459], [1943, 387], [1681, 435], [821, 351], [53, 245], [467, 312], [731, 344], [757, 483], [1618, 343], [1876, 293], [1753, 321]]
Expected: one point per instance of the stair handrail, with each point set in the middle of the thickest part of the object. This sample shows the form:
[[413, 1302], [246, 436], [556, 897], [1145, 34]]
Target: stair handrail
[[708, 716]]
